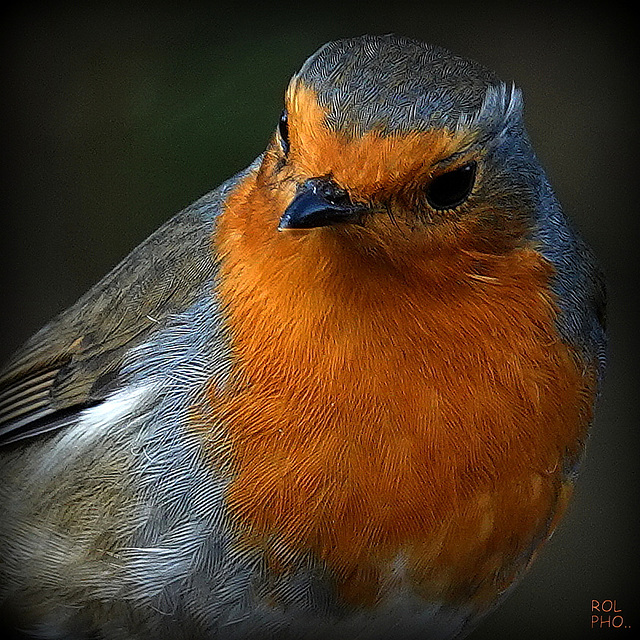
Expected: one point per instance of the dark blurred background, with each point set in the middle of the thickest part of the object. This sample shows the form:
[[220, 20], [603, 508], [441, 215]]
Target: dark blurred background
[[116, 116]]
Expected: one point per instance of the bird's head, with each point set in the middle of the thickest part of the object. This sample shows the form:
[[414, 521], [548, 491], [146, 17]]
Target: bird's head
[[398, 144]]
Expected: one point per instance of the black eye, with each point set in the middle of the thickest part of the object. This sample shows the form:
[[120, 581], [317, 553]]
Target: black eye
[[283, 130], [452, 188]]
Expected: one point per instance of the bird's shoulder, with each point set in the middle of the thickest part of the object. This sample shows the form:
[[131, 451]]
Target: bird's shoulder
[[74, 361]]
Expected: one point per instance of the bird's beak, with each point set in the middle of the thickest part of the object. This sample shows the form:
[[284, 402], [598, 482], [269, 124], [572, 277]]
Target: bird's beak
[[319, 202]]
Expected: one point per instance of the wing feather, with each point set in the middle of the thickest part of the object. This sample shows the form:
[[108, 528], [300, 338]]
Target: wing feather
[[75, 360]]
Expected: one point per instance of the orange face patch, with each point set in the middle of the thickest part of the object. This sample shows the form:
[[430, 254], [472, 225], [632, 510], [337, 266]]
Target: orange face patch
[[415, 409], [368, 165], [388, 174]]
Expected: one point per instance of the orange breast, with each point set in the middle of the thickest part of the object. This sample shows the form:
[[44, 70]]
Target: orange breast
[[379, 416]]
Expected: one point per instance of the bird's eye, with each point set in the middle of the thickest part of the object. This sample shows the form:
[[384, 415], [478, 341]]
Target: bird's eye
[[283, 130], [451, 189]]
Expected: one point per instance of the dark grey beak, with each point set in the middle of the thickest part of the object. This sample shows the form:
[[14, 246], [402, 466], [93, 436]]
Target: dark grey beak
[[320, 202]]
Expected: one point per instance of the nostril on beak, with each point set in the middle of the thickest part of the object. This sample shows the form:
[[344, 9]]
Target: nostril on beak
[[319, 202], [330, 191]]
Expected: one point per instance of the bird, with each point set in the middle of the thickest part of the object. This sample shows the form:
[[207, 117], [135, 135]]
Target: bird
[[346, 394]]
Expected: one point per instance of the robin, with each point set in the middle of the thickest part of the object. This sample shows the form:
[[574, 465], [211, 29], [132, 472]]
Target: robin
[[343, 395]]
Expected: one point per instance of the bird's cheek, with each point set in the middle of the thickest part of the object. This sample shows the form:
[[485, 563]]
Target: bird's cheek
[[276, 183]]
